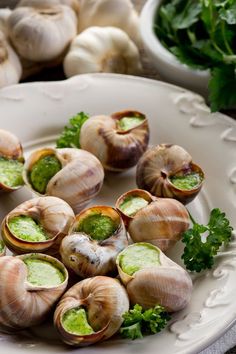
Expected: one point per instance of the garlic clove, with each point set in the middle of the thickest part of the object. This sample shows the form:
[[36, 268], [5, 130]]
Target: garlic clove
[[113, 13], [92, 295], [74, 4], [37, 33], [102, 49]]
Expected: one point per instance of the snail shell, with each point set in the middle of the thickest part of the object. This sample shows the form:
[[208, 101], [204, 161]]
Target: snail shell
[[166, 284], [162, 162], [53, 214], [79, 180], [117, 149], [105, 301], [22, 304], [161, 222], [88, 257], [11, 149]]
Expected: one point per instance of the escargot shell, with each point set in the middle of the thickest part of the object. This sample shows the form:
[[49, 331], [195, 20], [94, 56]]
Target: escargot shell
[[53, 214], [87, 256], [117, 149], [79, 180], [22, 304], [159, 164], [105, 301]]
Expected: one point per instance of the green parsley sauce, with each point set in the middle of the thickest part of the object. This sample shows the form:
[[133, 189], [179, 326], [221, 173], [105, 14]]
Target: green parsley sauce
[[98, 226], [127, 123], [42, 171], [11, 172], [26, 228], [138, 256], [43, 273], [186, 182], [75, 321], [131, 205]]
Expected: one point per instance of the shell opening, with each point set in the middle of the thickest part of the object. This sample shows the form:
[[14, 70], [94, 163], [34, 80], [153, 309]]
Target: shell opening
[[75, 321], [187, 178], [11, 172], [131, 204], [138, 256], [42, 171]]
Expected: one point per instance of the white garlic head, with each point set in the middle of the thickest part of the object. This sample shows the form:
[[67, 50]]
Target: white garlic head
[[102, 49], [74, 4], [42, 34]]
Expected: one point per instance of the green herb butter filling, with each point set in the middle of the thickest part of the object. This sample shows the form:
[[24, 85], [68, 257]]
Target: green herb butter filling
[[98, 226], [42, 171], [186, 182], [75, 321], [131, 205], [2, 246], [26, 228], [127, 123], [138, 256], [11, 172], [43, 273]]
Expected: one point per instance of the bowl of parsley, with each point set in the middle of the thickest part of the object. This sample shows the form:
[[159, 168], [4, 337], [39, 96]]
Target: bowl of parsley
[[193, 44]]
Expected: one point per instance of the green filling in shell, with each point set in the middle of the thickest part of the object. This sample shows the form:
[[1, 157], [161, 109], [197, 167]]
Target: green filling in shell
[[75, 321], [127, 123], [2, 246], [26, 228], [98, 226], [42, 171], [131, 205], [138, 256], [186, 182], [11, 172], [43, 273]]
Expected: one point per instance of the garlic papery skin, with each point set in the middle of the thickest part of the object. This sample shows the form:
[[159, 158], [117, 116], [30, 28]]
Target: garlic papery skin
[[161, 222], [23, 304], [10, 66], [117, 150], [104, 299], [102, 49], [4, 15], [164, 283], [78, 181], [53, 214], [42, 34], [88, 256], [161, 163], [74, 4], [110, 13]]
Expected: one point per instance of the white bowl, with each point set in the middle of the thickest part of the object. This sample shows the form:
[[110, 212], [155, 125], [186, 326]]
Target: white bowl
[[166, 63]]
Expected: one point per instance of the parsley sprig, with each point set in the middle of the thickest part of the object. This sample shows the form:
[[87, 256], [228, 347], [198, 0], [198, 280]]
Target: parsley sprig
[[202, 35], [138, 321], [70, 137], [198, 254]]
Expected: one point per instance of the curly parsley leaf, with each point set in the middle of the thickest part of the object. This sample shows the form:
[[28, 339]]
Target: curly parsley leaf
[[138, 321], [199, 255], [70, 137]]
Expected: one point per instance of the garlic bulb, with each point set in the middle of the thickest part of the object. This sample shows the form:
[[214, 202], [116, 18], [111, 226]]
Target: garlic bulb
[[37, 225], [42, 34], [73, 175], [29, 287], [4, 15], [102, 49], [167, 171], [74, 4], [110, 13], [102, 302], [10, 66], [118, 140], [151, 278], [95, 238], [159, 221], [11, 162]]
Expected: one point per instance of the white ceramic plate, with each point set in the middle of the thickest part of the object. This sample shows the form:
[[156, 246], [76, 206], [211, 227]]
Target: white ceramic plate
[[37, 113]]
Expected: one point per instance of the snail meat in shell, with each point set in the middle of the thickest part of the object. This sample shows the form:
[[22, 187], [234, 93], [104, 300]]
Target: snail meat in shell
[[118, 140], [95, 238], [11, 162], [168, 171], [73, 175], [91, 311], [151, 278], [160, 221]]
